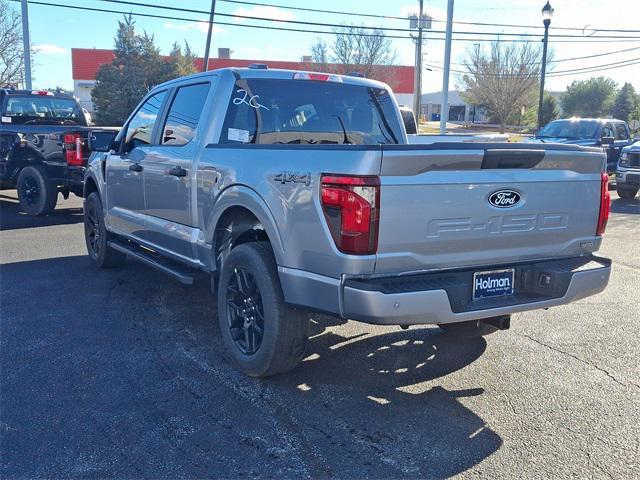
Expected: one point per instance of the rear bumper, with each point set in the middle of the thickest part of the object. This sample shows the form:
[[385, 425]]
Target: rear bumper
[[445, 297]]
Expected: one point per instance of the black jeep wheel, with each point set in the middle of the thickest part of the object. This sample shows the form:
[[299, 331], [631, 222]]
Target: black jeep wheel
[[626, 193], [263, 334], [96, 235], [36, 194]]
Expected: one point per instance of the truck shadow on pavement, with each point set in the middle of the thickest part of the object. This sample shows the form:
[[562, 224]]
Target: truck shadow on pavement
[[626, 206], [143, 387], [11, 217]]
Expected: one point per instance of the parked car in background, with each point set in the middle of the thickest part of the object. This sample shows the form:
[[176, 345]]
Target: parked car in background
[[628, 172], [610, 134], [298, 192], [43, 147]]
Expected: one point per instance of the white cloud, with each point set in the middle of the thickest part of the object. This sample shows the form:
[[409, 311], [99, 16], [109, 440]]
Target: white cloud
[[200, 26], [47, 49], [267, 13]]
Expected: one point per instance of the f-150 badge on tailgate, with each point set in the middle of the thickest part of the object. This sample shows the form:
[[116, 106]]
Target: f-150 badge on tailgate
[[504, 198]]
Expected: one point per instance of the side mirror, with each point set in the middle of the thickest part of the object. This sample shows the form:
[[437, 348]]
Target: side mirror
[[101, 140], [607, 141]]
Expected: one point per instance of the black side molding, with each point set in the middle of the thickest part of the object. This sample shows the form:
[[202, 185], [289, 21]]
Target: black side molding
[[494, 158]]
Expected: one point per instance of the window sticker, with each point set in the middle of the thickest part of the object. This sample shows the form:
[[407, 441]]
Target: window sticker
[[6, 119], [246, 99], [238, 135]]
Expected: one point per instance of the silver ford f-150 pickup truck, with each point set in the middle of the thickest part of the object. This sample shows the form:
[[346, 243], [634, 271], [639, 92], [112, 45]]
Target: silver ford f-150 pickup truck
[[299, 192]]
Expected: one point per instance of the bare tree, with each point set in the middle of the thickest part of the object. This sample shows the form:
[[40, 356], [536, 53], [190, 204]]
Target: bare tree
[[367, 51], [11, 56], [502, 80]]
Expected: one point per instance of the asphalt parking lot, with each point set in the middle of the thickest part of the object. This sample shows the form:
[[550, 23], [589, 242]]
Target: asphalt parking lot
[[121, 374]]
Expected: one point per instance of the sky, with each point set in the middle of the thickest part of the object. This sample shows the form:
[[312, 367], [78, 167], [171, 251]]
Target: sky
[[55, 30]]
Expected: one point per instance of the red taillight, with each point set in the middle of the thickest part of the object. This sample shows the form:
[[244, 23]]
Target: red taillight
[[351, 207], [73, 149], [605, 204]]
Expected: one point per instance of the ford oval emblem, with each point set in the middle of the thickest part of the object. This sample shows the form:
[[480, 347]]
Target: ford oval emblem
[[504, 198]]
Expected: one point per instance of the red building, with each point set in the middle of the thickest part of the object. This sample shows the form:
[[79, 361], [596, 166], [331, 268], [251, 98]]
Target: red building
[[86, 62]]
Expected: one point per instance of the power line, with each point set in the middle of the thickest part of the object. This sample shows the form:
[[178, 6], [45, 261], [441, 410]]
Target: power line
[[333, 25], [323, 32], [560, 73], [392, 17], [194, 20], [566, 59], [315, 10], [596, 70]]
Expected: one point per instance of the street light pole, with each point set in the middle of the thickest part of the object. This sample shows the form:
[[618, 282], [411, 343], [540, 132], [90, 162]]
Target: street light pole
[[547, 13], [207, 49], [26, 45]]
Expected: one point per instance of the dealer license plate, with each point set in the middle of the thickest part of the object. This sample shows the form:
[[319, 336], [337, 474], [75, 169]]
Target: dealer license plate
[[493, 283]]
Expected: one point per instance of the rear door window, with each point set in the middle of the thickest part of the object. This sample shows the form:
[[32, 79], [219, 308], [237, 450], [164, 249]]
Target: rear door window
[[184, 114], [274, 111]]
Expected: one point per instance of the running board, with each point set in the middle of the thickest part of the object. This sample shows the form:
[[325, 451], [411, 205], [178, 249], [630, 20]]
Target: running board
[[152, 259]]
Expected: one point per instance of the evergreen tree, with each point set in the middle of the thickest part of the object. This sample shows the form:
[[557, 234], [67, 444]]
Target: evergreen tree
[[137, 67], [120, 85], [626, 103], [182, 63]]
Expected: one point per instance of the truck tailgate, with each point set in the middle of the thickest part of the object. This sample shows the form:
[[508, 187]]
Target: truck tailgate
[[455, 205]]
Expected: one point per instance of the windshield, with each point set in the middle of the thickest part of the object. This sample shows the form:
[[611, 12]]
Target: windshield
[[32, 109], [570, 129], [269, 111]]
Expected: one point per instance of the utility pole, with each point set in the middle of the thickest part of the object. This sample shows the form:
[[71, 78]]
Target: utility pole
[[444, 111], [420, 22], [207, 49], [26, 45], [417, 88]]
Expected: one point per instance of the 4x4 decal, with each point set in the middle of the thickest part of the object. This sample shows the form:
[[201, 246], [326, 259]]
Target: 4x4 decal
[[293, 177]]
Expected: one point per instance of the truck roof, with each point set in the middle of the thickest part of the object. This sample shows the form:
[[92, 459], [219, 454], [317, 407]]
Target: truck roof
[[584, 119], [276, 73]]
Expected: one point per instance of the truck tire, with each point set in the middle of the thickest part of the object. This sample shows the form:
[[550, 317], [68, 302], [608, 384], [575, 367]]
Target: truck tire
[[37, 195], [263, 334], [96, 235], [626, 192]]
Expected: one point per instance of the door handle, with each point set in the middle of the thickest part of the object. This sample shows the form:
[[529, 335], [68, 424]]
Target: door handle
[[135, 167], [177, 172]]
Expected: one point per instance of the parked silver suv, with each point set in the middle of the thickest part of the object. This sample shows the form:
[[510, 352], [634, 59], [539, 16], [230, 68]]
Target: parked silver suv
[[298, 192]]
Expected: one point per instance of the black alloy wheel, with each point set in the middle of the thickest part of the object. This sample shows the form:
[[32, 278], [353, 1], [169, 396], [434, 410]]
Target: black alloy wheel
[[96, 236], [36, 194], [30, 191], [245, 312], [92, 230]]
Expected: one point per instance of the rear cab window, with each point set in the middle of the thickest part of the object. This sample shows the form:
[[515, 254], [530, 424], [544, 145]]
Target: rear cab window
[[280, 111], [41, 109]]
